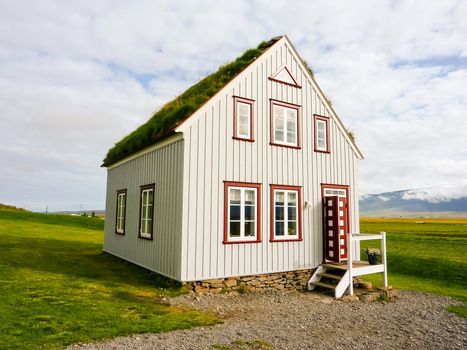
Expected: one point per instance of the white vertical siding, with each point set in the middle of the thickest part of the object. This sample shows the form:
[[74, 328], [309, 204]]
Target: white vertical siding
[[163, 167], [212, 157]]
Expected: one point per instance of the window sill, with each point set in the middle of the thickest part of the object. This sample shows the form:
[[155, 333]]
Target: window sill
[[145, 237], [120, 233], [286, 240], [241, 242], [285, 146], [321, 151], [242, 139]]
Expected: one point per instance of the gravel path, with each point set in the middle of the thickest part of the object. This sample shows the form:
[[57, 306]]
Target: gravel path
[[292, 320]]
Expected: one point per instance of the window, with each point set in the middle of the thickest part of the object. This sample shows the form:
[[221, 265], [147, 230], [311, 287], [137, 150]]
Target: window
[[285, 124], [146, 211], [243, 119], [286, 213], [321, 134], [242, 212], [121, 210]]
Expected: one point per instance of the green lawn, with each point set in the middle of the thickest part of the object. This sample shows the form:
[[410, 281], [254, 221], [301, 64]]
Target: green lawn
[[430, 257], [58, 288]]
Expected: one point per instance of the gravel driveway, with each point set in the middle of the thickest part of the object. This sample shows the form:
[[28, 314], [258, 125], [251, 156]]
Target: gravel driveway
[[293, 320]]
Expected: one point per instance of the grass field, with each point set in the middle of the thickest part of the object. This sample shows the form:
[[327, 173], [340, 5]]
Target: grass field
[[58, 288], [429, 256]]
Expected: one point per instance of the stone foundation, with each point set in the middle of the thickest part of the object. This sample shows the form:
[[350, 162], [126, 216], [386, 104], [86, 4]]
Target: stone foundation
[[282, 281]]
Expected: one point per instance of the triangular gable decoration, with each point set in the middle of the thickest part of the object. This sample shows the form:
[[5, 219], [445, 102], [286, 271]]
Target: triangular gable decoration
[[284, 76]]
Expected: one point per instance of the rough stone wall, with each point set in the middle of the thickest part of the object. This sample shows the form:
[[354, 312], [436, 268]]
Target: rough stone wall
[[281, 280]]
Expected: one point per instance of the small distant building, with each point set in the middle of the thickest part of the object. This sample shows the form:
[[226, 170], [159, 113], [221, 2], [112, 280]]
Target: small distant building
[[249, 172]]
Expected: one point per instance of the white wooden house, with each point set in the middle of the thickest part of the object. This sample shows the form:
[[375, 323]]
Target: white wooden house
[[236, 187]]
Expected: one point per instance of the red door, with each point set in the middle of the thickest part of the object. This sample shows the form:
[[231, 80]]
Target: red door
[[335, 228]]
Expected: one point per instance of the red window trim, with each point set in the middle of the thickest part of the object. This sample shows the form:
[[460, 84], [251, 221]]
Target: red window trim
[[142, 188], [273, 77], [124, 215], [271, 123], [325, 119], [228, 184], [252, 118], [299, 209], [339, 187]]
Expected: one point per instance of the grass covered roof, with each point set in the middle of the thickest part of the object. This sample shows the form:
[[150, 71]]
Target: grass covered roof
[[164, 121]]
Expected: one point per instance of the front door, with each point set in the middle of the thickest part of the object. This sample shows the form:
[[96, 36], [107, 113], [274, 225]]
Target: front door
[[335, 218]]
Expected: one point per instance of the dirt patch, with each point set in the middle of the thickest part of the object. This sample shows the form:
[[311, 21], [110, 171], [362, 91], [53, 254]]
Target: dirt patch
[[294, 320]]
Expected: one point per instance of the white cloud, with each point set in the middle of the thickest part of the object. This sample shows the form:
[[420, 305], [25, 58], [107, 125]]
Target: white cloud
[[437, 195], [76, 77]]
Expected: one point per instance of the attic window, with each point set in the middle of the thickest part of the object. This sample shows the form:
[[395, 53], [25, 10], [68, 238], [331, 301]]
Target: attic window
[[321, 134], [285, 124], [284, 76], [243, 119]]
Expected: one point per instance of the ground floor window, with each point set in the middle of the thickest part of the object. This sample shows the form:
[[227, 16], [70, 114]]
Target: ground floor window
[[121, 211], [286, 216], [242, 212], [146, 211]]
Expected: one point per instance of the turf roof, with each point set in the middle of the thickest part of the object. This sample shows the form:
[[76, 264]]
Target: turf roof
[[164, 121]]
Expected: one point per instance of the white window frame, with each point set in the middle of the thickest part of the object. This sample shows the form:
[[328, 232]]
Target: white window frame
[[242, 221], [286, 236], [284, 141], [249, 106], [324, 121], [144, 208], [121, 211]]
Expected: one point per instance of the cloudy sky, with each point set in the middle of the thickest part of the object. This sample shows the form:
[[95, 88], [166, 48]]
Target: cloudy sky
[[77, 76]]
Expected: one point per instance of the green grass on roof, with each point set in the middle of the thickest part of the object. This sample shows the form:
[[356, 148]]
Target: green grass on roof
[[173, 113]]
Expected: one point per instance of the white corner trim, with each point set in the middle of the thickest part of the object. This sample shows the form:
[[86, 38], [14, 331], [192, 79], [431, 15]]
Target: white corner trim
[[156, 146]]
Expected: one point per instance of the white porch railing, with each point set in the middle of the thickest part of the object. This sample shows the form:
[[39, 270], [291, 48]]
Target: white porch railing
[[360, 270]]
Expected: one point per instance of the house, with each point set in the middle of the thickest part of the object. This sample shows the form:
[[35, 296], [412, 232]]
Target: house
[[226, 185]]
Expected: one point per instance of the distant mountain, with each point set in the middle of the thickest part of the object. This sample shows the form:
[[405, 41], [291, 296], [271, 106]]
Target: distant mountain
[[413, 202]]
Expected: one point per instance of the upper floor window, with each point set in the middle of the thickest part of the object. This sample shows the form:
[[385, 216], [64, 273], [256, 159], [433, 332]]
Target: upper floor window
[[285, 124], [146, 211], [121, 210], [243, 119], [321, 134], [286, 216], [242, 210]]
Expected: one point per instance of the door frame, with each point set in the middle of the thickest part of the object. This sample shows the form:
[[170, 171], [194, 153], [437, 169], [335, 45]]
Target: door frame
[[347, 224]]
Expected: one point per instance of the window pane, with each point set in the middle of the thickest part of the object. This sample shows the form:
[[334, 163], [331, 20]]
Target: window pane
[[235, 212], [235, 196], [291, 120], [292, 228], [321, 144], [321, 126], [321, 134], [291, 137], [292, 213], [279, 135], [279, 213], [292, 197], [151, 196], [279, 197], [249, 229], [249, 212], [243, 108], [279, 228], [149, 228], [234, 229], [250, 196], [244, 119], [243, 130]]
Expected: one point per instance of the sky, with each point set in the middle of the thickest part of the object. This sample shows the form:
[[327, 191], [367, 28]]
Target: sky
[[77, 76]]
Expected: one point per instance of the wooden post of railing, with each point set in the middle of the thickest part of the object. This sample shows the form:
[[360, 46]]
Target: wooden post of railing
[[384, 258], [349, 261]]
